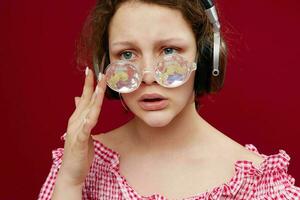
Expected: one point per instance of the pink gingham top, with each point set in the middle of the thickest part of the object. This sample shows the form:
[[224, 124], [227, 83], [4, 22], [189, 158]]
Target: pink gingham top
[[104, 181]]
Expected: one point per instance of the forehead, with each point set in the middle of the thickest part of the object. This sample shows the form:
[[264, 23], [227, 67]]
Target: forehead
[[137, 20]]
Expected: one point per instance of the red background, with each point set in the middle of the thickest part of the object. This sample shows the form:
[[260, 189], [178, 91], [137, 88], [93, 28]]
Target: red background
[[39, 78]]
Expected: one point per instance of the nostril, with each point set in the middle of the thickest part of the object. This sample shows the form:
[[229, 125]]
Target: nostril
[[148, 78]]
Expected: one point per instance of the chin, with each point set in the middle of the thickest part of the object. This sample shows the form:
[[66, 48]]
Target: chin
[[156, 120]]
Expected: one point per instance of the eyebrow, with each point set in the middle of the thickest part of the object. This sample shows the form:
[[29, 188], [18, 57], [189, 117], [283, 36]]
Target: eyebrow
[[163, 41]]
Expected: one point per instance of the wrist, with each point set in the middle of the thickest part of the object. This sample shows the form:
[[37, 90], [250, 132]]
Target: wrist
[[63, 190], [64, 180]]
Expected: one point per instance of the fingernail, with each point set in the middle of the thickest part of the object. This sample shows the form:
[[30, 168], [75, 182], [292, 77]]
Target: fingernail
[[86, 71], [97, 90], [99, 76]]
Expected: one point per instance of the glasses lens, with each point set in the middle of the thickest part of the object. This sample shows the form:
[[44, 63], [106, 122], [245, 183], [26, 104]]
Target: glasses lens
[[122, 77], [172, 71]]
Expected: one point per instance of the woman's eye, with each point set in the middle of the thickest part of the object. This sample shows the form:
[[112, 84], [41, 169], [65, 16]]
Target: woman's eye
[[168, 51], [127, 55]]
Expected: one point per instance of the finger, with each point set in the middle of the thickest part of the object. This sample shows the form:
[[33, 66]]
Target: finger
[[99, 90], [100, 87], [95, 109], [88, 88], [92, 116], [76, 99], [86, 94]]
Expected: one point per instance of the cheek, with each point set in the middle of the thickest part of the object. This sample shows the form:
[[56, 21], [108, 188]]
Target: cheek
[[183, 97], [130, 100], [188, 89]]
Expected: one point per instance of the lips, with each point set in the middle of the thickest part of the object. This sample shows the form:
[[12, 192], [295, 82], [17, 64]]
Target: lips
[[152, 102]]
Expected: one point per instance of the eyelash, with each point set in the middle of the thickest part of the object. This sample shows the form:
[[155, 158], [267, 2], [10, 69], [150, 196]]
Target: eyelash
[[123, 52], [173, 48], [126, 51]]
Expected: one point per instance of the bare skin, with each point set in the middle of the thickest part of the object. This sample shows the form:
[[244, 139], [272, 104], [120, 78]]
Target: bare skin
[[173, 151], [177, 173], [172, 172], [79, 148]]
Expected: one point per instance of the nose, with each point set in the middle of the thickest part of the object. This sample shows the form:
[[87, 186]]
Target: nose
[[148, 72], [148, 76]]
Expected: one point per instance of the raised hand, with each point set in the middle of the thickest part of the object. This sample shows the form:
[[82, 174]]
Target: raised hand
[[79, 148]]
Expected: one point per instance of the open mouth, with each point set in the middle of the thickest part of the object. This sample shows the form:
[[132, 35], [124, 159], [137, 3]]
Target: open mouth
[[152, 102]]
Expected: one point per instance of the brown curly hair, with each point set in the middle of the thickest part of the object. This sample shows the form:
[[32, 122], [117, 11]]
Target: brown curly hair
[[93, 41]]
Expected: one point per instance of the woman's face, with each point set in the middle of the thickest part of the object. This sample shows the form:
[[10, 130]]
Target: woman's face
[[142, 32]]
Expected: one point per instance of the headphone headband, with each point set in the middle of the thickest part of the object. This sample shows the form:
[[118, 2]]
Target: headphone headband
[[207, 4], [212, 15]]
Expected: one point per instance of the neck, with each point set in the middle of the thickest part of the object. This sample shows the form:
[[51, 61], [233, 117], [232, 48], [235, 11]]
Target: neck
[[184, 131]]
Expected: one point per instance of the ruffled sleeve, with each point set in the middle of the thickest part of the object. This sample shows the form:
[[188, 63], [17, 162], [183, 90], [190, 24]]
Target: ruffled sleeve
[[278, 185], [274, 182], [48, 186]]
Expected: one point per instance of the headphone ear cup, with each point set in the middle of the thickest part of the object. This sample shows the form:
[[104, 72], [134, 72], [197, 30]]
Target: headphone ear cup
[[203, 75]]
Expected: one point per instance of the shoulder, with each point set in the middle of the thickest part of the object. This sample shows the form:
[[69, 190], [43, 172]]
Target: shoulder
[[273, 178], [232, 152], [116, 139], [267, 175], [244, 153]]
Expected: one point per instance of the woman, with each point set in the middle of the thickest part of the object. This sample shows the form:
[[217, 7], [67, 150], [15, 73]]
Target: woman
[[167, 151]]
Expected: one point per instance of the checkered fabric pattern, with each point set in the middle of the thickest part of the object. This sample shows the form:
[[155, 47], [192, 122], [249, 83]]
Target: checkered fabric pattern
[[268, 182]]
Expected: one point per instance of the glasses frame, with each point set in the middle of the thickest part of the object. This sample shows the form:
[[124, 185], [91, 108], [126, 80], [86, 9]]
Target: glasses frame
[[192, 66]]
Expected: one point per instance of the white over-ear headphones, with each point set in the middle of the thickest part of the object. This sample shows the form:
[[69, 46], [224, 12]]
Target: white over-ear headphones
[[212, 15]]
